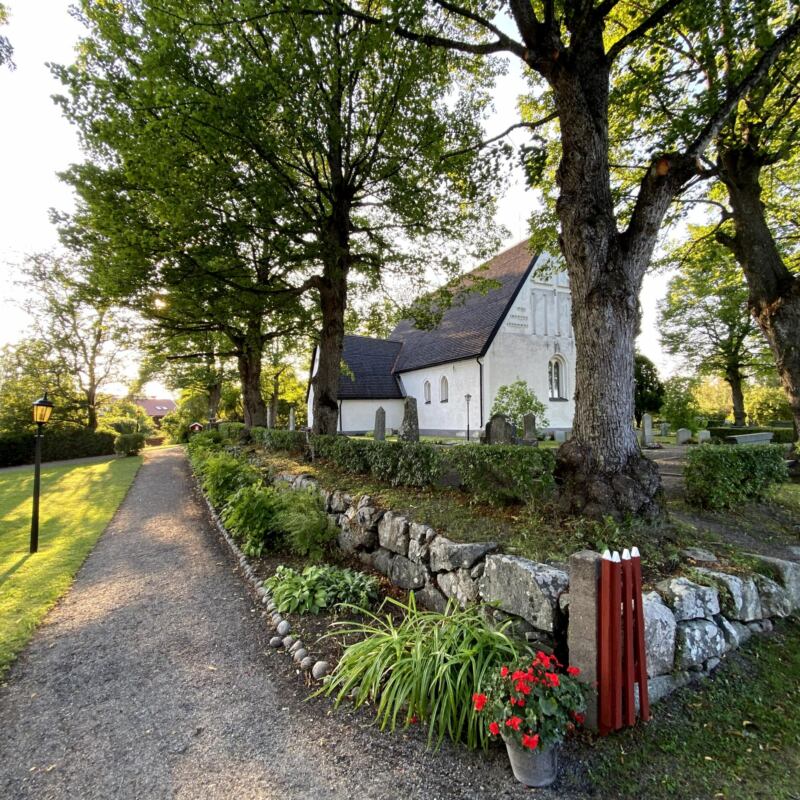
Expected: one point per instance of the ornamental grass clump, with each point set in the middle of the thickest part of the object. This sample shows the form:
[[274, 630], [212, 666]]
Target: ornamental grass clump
[[534, 704], [423, 668]]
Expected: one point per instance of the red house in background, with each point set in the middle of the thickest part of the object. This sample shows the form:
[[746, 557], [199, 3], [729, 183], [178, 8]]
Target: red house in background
[[155, 409]]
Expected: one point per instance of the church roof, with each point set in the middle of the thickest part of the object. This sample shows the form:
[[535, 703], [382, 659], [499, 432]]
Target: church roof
[[370, 361], [467, 327]]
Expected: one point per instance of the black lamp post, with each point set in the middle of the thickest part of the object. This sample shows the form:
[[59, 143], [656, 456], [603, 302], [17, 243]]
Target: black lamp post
[[42, 409], [468, 397]]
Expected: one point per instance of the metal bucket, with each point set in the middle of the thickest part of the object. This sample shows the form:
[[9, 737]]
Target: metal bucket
[[535, 768]]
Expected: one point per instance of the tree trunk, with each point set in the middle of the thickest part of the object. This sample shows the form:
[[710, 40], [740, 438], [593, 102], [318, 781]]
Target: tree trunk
[[275, 399], [734, 380], [600, 470], [333, 301], [774, 290], [249, 362], [91, 409], [214, 399]]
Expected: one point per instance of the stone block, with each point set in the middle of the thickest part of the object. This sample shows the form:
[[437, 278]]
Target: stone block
[[699, 555], [431, 598], [340, 502], [729, 632], [696, 641], [393, 533], [446, 556], [524, 588], [406, 574], [787, 573], [738, 596], [659, 635], [775, 600], [382, 560], [689, 600], [459, 586]]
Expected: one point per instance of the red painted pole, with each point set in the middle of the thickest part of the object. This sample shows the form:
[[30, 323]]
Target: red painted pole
[[605, 717], [640, 652], [628, 676], [616, 641]]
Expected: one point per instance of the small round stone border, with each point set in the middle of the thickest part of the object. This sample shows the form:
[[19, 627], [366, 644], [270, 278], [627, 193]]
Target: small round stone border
[[283, 640]]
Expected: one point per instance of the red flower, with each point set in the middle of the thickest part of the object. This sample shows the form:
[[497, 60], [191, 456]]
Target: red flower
[[520, 676], [513, 722], [574, 671], [520, 703], [522, 687], [543, 659], [553, 678], [479, 700], [503, 671], [531, 742], [494, 729], [579, 718]]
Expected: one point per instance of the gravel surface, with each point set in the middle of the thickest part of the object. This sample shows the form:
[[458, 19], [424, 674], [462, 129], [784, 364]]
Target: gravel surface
[[153, 678]]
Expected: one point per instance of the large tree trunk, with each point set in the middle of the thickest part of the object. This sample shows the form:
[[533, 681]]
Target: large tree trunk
[[601, 470], [91, 409], [333, 301], [214, 399], [734, 380], [249, 363], [774, 290]]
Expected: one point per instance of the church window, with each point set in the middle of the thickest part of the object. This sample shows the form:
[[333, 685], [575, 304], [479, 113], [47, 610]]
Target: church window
[[556, 379], [426, 390], [443, 388]]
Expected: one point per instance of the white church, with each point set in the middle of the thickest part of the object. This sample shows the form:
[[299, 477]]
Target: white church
[[519, 330]]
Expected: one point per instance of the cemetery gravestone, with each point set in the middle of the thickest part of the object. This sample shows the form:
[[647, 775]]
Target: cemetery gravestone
[[647, 430], [379, 432], [682, 436], [409, 429], [529, 429], [500, 431], [291, 419], [665, 428]]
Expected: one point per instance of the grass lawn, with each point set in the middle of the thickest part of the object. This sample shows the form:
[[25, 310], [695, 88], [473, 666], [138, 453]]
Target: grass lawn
[[76, 505], [738, 738]]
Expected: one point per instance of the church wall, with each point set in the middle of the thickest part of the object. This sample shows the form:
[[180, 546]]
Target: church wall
[[358, 416], [450, 418]]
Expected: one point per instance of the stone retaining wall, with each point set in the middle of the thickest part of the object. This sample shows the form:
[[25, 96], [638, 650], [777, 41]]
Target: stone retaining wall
[[690, 625]]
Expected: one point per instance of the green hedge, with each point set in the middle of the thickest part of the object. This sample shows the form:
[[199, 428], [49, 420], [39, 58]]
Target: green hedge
[[57, 444], [779, 435], [720, 476], [274, 439], [230, 431], [129, 444], [495, 474]]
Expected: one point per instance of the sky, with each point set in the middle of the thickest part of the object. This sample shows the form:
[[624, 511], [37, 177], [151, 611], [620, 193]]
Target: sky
[[36, 142]]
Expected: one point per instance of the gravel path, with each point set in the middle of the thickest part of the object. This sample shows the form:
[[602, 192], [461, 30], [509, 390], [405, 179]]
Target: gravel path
[[152, 679]]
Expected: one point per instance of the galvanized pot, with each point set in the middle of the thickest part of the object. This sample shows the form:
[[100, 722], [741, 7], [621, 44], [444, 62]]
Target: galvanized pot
[[534, 768]]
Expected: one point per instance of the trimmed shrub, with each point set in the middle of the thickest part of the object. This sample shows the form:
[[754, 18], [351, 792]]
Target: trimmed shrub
[[252, 515], [129, 444], [230, 431], [272, 439], [425, 666], [57, 444], [719, 476], [351, 455], [301, 517], [780, 435], [223, 475], [500, 474], [319, 587]]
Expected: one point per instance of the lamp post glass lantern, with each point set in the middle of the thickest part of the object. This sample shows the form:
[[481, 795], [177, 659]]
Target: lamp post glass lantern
[[42, 409], [468, 397]]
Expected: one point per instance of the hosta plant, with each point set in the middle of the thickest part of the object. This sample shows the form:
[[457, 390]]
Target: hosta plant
[[320, 587], [534, 703]]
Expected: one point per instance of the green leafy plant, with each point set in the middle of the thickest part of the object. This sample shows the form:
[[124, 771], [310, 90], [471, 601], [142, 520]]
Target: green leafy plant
[[252, 515], [719, 476], [285, 441], [424, 667], [301, 516], [517, 399], [230, 431], [679, 406], [320, 587], [223, 474], [129, 444], [534, 703]]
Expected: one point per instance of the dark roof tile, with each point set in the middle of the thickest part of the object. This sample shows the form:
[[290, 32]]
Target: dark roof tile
[[371, 362]]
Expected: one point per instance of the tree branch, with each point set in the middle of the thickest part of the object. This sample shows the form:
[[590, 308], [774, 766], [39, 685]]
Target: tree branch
[[641, 29]]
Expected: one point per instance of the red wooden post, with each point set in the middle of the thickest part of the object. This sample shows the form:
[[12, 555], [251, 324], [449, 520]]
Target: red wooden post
[[605, 716], [641, 653], [616, 641], [628, 676]]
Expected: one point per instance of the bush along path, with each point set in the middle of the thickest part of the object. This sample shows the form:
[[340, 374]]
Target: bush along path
[[154, 678]]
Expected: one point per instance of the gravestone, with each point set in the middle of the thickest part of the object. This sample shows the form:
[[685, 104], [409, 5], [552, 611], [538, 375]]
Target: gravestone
[[529, 429], [703, 436], [379, 431], [409, 428], [560, 436], [499, 430], [665, 428], [291, 419], [270, 418], [647, 430], [682, 436]]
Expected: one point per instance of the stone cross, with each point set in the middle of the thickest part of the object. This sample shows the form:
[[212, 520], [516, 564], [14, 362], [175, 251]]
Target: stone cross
[[409, 428], [529, 427], [499, 430], [379, 432], [291, 419]]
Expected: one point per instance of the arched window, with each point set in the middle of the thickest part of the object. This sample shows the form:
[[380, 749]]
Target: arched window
[[556, 379], [426, 391], [443, 390]]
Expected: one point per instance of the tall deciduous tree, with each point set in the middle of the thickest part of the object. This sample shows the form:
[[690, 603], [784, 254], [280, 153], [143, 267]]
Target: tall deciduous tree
[[83, 330], [573, 49], [705, 320]]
